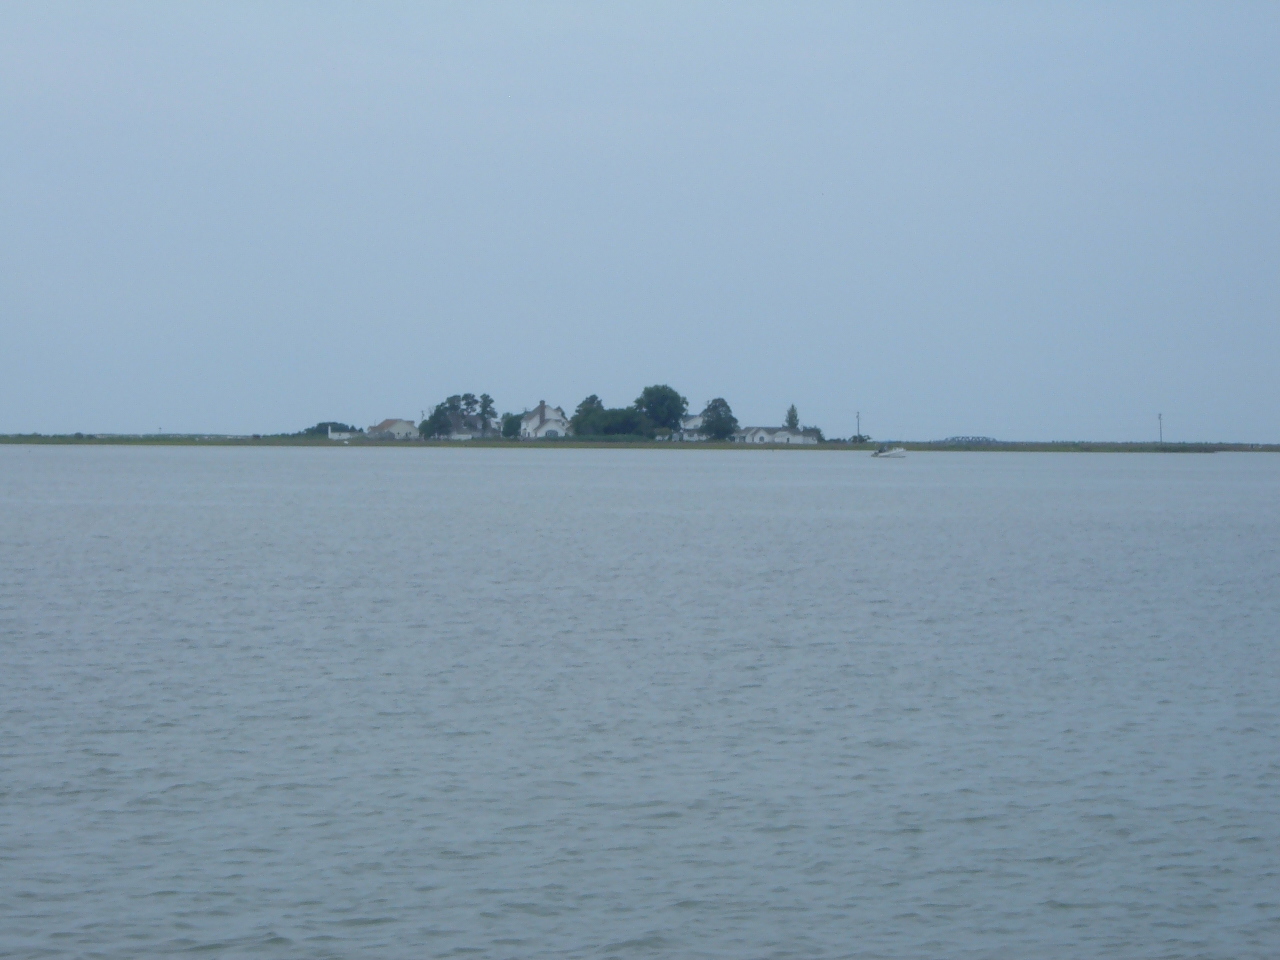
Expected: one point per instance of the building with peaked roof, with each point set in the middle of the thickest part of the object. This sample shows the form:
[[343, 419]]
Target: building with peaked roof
[[690, 429], [393, 430], [544, 422], [776, 435]]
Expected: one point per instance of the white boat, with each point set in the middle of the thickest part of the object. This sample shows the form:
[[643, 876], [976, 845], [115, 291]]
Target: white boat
[[887, 452]]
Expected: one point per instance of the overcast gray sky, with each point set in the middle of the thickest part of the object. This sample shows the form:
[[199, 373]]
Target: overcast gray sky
[[1025, 221]]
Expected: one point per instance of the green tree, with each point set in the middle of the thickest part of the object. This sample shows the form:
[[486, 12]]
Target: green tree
[[593, 419], [623, 421], [793, 419], [487, 412], [322, 429], [439, 424], [511, 425], [662, 405], [469, 404], [584, 419], [718, 421]]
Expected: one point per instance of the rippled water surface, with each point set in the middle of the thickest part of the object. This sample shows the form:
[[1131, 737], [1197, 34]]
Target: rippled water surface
[[577, 703]]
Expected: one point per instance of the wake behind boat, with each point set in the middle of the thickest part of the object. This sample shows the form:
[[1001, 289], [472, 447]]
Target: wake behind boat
[[888, 452]]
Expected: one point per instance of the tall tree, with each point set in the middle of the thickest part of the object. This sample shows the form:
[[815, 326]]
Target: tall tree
[[487, 412], [469, 404], [511, 425], [584, 419], [439, 424], [623, 421], [718, 421], [793, 418], [662, 405]]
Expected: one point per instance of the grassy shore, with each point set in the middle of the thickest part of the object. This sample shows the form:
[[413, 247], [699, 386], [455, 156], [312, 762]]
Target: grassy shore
[[288, 440]]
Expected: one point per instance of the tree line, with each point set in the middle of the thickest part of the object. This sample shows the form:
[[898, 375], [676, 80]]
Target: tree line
[[658, 411], [461, 413]]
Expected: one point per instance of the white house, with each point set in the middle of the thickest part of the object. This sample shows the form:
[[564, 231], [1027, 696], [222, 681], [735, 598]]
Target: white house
[[393, 430], [340, 434], [775, 435], [690, 428], [543, 421]]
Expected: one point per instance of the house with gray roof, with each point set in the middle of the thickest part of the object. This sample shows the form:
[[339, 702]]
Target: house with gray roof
[[544, 422], [393, 430]]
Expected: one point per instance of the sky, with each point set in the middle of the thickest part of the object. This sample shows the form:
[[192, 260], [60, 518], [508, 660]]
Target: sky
[[1024, 221]]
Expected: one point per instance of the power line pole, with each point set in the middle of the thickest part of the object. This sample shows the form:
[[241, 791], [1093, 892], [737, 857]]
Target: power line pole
[[1160, 420], [859, 426]]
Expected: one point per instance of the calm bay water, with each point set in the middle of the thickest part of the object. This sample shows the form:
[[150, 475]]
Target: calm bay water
[[578, 703]]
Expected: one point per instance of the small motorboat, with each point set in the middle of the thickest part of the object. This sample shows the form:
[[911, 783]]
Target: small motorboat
[[887, 452]]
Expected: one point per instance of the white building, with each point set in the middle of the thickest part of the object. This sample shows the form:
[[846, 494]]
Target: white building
[[690, 428], [775, 435], [340, 434], [543, 421], [393, 430]]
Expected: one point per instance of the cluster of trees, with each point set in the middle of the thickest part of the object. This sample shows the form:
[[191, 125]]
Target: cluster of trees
[[322, 429], [594, 419], [659, 408], [461, 413]]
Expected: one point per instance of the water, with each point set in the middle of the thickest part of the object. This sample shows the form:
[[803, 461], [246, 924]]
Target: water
[[578, 703]]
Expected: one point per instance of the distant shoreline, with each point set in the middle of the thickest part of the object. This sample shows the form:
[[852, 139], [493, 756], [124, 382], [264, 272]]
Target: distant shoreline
[[222, 440]]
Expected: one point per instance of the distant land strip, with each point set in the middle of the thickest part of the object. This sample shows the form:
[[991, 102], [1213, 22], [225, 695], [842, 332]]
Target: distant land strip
[[953, 445]]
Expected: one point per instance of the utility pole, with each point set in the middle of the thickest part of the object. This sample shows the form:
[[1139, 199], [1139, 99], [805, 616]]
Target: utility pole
[[859, 426], [1160, 420]]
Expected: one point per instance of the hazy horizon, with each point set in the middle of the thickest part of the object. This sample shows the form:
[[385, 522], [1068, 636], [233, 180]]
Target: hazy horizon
[[1041, 222]]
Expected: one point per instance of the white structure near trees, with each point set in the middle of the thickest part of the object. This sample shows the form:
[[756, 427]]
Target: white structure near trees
[[690, 428], [776, 435], [393, 430], [544, 422]]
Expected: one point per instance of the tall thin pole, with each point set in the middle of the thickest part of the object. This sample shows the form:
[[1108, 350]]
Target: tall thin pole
[[859, 426], [1160, 420]]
